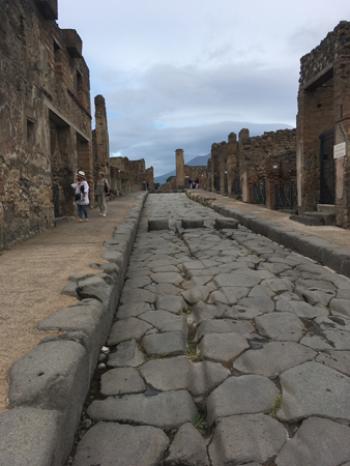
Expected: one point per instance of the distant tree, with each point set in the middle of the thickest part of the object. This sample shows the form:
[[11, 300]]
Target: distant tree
[[170, 178]]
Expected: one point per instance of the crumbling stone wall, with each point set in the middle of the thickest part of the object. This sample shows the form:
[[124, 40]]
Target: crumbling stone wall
[[259, 169], [45, 131], [323, 122], [130, 175]]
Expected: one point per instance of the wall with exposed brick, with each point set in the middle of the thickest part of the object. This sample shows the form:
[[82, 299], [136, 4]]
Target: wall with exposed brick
[[45, 131], [323, 121]]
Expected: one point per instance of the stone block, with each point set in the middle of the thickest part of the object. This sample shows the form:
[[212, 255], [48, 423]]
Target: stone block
[[88, 319], [28, 436], [73, 42], [121, 445], [189, 223], [48, 8], [223, 223], [54, 376], [188, 448], [166, 410], [157, 224]]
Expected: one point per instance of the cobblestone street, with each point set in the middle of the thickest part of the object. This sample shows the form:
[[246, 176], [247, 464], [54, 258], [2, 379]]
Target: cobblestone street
[[226, 349]]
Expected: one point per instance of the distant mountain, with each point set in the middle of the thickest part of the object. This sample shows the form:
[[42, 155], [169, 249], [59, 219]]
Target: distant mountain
[[200, 160]]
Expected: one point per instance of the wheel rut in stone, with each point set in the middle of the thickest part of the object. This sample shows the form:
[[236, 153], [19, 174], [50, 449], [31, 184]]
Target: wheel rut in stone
[[223, 349]]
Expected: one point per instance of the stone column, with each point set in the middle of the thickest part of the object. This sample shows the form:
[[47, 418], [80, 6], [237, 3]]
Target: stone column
[[231, 163], [244, 145], [180, 169], [101, 138]]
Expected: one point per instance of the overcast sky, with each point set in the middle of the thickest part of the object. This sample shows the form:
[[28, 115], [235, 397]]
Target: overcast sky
[[185, 73]]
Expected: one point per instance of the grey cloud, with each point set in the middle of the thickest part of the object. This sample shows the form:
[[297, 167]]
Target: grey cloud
[[157, 115]]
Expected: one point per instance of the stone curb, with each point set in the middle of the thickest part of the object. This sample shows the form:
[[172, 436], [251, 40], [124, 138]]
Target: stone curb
[[48, 386], [318, 249]]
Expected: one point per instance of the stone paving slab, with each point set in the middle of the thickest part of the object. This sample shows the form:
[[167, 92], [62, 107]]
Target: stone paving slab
[[166, 410], [112, 444], [247, 394], [318, 442], [232, 442]]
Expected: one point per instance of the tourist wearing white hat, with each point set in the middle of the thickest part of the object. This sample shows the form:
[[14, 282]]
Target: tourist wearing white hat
[[81, 195]]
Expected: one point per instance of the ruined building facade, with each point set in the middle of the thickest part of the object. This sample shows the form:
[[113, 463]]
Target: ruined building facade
[[45, 130], [260, 169], [323, 127], [130, 175]]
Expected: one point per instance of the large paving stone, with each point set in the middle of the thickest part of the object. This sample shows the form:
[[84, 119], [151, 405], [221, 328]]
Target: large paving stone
[[165, 321], [169, 303], [128, 329], [167, 277], [164, 289], [167, 410], [223, 326], [127, 355], [315, 296], [138, 282], [125, 311], [278, 285], [246, 278], [339, 360], [313, 389], [273, 358], [228, 295], [300, 308], [247, 394], [318, 442], [165, 344], [28, 437], [280, 326], [203, 311], [138, 296], [196, 294], [253, 306], [331, 338], [206, 375], [167, 374], [340, 307], [246, 438], [222, 347], [112, 444], [122, 381], [199, 378], [188, 448]]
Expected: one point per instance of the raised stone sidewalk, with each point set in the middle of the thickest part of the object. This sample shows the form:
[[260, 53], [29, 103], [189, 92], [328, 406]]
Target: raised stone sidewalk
[[49, 384], [328, 245], [227, 349]]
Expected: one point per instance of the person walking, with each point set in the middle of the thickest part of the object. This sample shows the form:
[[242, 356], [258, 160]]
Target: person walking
[[102, 189], [81, 195]]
